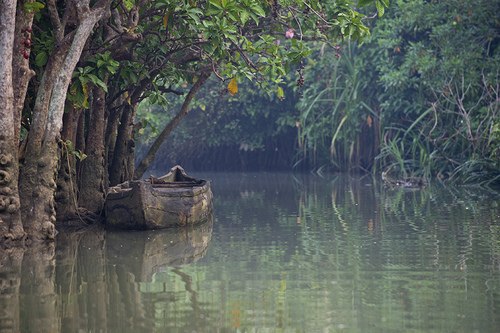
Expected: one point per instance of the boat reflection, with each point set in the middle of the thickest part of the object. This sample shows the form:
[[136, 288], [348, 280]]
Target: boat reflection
[[92, 280], [155, 250]]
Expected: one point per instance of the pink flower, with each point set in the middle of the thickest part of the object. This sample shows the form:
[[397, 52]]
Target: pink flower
[[289, 33]]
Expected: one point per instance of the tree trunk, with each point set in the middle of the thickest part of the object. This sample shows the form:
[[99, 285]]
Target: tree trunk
[[119, 171], [22, 73], [150, 156], [10, 219], [111, 134], [92, 174], [42, 156], [80, 138], [66, 195]]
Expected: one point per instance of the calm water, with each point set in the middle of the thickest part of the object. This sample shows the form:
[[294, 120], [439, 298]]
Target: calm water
[[284, 254]]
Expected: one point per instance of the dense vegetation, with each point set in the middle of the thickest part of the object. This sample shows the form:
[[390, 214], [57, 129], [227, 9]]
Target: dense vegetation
[[73, 73], [420, 98]]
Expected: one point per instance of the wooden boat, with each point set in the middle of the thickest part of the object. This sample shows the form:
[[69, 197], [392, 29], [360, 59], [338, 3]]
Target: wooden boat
[[174, 199]]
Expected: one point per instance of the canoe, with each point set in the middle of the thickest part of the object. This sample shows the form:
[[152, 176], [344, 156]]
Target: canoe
[[174, 199]]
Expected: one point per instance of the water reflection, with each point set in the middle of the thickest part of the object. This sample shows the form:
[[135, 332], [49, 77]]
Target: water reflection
[[93, 281], [348, 254], [27, 286], [285, 254]]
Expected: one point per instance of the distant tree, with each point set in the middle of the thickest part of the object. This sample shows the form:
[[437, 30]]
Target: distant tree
[[437, 71], [419, 98]]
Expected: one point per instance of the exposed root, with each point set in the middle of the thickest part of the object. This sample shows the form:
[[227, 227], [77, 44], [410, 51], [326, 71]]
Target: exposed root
[[81, 218]]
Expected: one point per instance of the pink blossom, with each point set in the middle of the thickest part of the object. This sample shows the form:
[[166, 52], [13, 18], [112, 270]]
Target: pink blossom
[[289, 33]]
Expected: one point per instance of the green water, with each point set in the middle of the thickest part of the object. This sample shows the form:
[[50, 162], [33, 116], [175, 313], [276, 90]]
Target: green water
[[284, 254]]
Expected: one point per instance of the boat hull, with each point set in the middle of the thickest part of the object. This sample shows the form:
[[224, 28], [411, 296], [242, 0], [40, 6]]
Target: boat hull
[[140, 205]]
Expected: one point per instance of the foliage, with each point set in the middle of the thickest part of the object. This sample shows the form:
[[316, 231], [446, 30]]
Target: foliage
[[34, 6], [333, 116], [95, 74], [424, 90], [238, 39], [438, 81]]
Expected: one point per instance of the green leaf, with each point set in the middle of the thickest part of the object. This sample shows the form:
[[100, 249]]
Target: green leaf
[[102, 85], [129, 4], [280, 93], [33, 7], [41, 59], [79, 155], [93, 78], [363, 3], [380, 8], [194, 17], [244, 16], [255, 18], [216, 3], [69, 145], [258, 10]]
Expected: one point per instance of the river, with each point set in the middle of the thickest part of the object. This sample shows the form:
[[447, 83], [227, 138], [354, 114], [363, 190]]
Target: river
[[284, 253]]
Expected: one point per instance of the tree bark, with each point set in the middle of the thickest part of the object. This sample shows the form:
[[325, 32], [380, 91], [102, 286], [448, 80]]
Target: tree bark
[[10, 219], [150, 156], [92, 182], [119, 171], [42, 156], [66, 194], [22, 73], [111, 134]]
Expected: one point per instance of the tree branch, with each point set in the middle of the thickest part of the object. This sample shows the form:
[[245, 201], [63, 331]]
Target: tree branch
[[55, 20], [169, 90], [150, 156]]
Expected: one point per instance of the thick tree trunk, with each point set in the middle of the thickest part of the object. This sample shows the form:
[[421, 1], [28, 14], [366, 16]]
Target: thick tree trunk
[[110, 140], [150, 156], [80, 137], [93, 183], [119, 171], [66, 195], [22, 73], [10, 219], [42, 156]]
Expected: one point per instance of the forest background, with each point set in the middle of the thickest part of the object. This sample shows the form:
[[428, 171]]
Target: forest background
[[419, 98]]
